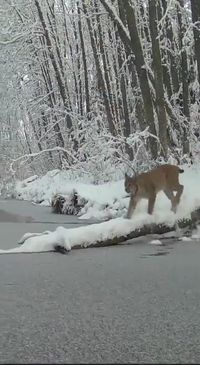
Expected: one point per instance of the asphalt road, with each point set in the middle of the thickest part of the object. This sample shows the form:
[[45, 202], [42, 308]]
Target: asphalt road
[[136, 303]]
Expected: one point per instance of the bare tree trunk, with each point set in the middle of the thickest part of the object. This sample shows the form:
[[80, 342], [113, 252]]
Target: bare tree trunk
[[144, 22], [195, 6], [79, 95], [164, 55], [139, 108], [58, 75], [101, 80], [158, 76], [67, 40], [105, 62], [87, 94], [136, 47], [142, 74], [171, 54], [185, 78]]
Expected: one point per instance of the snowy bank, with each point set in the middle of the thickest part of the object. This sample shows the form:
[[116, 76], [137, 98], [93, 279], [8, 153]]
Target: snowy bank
[[115, 230], [103, 201], [107, 200]]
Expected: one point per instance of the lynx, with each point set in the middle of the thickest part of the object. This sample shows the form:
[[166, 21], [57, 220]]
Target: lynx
[[146, 186]]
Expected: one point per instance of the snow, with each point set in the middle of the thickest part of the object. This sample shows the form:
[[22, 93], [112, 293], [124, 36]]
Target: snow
[[155, 242], [81, 236], [57, 182], [196, 234], [109, 200], [112, 196], [185, 239]]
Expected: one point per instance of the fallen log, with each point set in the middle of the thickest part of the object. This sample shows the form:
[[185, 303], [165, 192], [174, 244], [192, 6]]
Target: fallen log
[[190, 224], [110, 233]]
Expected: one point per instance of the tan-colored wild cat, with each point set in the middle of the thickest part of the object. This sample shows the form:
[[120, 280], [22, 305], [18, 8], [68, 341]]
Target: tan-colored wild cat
[[146, 186]]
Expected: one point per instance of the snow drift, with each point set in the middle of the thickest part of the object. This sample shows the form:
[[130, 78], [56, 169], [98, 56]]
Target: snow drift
[[98, 233]]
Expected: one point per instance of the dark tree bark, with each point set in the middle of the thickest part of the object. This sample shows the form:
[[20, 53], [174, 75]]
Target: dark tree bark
[[45, 68], [184, 78], [144, 22], [58, 74], [134, 44], [158, 75], [87, 94], [164, 55], [139, 109], [195, 6], [101, 80], [67, 42], [105, 63], [142, 73], [172, 48], [79, 94]]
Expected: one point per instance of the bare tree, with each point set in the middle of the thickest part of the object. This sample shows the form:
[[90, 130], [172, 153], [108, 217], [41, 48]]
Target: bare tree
[[195, 6]]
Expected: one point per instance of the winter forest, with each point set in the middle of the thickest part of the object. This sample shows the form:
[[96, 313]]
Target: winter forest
[[98, 86]]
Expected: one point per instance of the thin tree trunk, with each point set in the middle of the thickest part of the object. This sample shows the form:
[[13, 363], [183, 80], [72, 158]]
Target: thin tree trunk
[[195, 6], [171, 54], [67, 40], [158, 76], [79, 94], [142, 74], [164, 56], [185, 78], [104, 61], [101, 81], [51, 96], [58, 75], [87, 94], [127, 122]]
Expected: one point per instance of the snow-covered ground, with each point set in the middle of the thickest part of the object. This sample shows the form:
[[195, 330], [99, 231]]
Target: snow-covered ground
[[109, 200], [106, 200]]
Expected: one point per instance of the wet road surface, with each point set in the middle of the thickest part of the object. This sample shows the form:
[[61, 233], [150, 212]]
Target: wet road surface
[[136, 303]]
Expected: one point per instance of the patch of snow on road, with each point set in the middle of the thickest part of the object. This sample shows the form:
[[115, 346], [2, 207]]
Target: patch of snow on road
[[155, 242]]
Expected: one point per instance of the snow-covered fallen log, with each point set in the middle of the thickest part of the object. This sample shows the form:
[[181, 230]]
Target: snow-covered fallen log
[[108, 233]]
